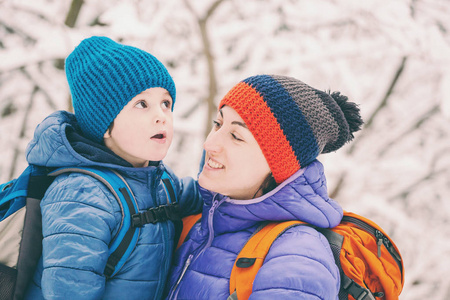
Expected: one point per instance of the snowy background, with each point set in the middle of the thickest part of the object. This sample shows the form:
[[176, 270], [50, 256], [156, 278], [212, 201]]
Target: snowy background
[[391, 56]]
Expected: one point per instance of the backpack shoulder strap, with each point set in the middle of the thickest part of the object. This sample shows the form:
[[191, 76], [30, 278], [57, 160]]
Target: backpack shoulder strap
[[168, 186], [166, 212], [252, 255], [31, 187], [188, 223], [125, 240]]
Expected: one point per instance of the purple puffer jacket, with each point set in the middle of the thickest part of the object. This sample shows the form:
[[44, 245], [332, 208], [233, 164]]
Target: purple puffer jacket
[[299, 265]]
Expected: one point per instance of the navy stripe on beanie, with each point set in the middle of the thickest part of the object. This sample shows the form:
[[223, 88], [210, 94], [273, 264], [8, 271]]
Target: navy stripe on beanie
[[291, 119], [292, 122]]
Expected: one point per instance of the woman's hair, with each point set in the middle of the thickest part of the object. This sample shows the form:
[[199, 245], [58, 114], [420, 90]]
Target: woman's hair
[[268, 184]]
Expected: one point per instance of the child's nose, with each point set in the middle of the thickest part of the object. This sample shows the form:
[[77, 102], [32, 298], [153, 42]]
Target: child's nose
[[160, 117]]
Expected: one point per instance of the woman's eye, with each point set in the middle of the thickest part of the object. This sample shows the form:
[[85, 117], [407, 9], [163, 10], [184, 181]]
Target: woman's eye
[[216, 124], [141, 104], [167, 104], [236, 138]]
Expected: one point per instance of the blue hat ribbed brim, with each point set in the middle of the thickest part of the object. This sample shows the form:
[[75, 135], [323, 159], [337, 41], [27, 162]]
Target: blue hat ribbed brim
[[104, 76]]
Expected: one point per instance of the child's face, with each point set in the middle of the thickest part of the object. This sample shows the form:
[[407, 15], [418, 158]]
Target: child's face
[[143, 130]]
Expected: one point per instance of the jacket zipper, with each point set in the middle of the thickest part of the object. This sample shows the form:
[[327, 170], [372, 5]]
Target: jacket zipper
[[379, 236], [190, 259], [185, 267], [210, 224]]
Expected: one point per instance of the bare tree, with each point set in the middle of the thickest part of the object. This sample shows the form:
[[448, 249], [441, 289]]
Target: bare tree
[[202, 22]]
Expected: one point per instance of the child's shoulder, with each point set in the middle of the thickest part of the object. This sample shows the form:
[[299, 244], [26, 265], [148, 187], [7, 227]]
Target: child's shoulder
[[76, 187], [168, 172]]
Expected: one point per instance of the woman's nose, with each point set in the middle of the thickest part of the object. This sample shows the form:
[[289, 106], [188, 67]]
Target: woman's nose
[[213, 142]]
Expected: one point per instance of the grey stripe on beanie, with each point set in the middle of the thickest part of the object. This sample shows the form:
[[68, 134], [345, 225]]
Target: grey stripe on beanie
[[317, 114]]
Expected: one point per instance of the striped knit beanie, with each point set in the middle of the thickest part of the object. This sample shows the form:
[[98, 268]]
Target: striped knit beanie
[[104, 76], [292, 122]]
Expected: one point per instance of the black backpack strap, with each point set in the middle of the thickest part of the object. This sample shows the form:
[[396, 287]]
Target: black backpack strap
[[172, 199], [335, 240], [167, 212], [156, 214], [170, 191], [168, 186], [354, 289], [348, 286], [31, 245], [112, 265], [38, 185], [127, 235]]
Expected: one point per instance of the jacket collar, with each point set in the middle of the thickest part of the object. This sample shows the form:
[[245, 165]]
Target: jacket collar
[[302, 197], [58, 142]]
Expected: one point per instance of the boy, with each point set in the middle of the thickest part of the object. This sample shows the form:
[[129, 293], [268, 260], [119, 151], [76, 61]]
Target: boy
[[123, 99]]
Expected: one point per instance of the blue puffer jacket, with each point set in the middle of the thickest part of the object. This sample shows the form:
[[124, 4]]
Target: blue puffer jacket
[[299, 265], [80, 216]]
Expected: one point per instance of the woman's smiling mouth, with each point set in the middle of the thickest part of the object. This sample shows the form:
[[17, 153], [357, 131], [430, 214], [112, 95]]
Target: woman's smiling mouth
[[214, 165]]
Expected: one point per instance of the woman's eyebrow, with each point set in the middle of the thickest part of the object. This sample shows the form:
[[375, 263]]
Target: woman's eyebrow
[[234, 122], [240, 124]]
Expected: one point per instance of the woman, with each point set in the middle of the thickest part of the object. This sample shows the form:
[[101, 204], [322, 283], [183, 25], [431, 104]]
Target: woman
[[260, 165]]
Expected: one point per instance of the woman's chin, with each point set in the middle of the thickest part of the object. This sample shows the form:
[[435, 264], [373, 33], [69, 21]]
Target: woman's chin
[[202, 181], [208, 183]]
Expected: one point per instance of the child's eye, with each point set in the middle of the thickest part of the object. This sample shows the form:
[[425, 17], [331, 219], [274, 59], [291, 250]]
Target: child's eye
[[141, 104], [166, 104]]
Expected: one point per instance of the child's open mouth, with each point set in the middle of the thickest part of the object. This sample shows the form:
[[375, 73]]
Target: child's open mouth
[[159, 137]]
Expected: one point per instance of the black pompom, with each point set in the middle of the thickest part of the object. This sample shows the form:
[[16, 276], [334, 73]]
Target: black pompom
[[351, 112]]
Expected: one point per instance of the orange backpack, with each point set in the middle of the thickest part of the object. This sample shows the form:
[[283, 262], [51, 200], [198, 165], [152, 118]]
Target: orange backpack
[[369, 262]]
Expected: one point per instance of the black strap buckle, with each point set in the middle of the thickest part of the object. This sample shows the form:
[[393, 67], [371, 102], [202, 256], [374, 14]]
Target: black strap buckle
[[156, 214], [245, 262], [357, 291], [137, 220]]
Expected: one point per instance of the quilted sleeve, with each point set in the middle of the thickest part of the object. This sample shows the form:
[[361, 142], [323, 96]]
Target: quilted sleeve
[[188, 194], [78, 217], [190, 200], [299, 265]]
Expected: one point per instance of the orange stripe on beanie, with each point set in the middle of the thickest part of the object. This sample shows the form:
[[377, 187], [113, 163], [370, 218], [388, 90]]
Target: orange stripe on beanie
[[291, 121], [261, 122]]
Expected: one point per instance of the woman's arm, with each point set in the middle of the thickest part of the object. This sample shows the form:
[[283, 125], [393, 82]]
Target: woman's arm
[[299, 265]]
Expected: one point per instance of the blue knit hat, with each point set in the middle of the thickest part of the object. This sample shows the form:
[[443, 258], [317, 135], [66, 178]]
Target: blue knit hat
[[104, 76]]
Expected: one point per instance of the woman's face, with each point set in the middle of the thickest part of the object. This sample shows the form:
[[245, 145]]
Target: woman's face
[[234, 164]]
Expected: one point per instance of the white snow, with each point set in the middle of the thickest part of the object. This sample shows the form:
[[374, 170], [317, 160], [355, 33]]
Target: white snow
[[397, 170]]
